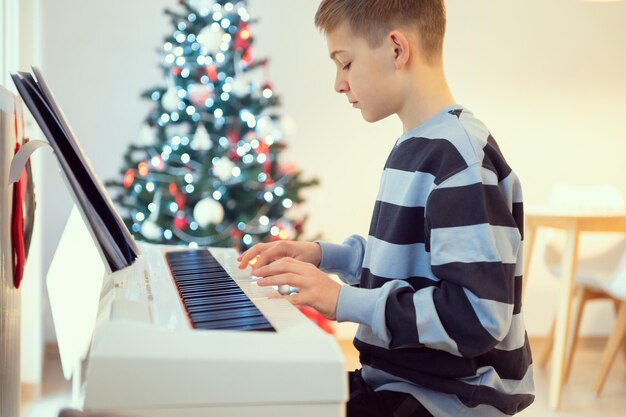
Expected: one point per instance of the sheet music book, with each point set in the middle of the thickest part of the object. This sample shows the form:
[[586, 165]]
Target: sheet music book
[[115, 243]]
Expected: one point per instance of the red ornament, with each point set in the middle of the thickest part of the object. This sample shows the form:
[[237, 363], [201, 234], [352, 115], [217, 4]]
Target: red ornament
[[180, 221], [129, 178], [211, 71], [173, 188], [247, 57], [176, 71], [180, 200]]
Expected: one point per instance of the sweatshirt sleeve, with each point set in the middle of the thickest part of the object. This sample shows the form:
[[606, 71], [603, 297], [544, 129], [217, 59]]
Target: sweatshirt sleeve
[[345, 259], [474, 244]]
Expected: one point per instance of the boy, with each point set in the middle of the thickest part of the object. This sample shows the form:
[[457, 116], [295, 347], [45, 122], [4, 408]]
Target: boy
[[436, 289]]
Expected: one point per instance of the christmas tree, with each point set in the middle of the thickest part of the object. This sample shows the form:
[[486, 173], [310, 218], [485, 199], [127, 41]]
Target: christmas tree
[[207, 169]]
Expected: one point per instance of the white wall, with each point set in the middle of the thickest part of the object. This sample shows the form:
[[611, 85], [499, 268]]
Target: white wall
[[546, 77]]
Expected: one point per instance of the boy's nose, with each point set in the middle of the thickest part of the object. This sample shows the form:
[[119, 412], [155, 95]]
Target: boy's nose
[[341, 86]]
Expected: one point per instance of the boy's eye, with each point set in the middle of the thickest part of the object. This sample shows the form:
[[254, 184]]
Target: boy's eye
[[347, 66]]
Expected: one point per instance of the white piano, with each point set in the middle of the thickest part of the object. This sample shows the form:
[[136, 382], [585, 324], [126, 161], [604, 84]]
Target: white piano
[[148, 358]]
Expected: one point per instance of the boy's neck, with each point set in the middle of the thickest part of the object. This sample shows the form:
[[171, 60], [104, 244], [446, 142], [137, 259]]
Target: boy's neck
[[426, 96]]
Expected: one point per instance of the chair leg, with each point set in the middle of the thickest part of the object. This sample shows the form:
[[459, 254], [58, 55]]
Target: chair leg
[[582, 296], [544, 354], [616, 304], [612, 346]]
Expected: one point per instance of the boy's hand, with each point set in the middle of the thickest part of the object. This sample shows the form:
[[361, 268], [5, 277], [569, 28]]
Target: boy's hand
[[309, 252], [315, 289]]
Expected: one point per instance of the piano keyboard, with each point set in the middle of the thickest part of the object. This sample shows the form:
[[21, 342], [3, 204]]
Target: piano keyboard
[[211, 297]]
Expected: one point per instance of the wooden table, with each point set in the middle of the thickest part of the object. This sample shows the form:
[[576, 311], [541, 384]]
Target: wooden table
[[574, 225]]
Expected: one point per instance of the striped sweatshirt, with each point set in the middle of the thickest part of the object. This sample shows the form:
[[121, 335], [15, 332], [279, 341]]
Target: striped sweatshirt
[[436, 288]]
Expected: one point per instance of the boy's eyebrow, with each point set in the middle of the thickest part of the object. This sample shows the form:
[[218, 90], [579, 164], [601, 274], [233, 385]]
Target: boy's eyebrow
[[333, 53]]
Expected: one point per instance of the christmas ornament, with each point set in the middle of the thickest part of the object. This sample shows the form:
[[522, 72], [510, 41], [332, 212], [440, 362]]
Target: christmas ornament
[[151, 230], [208, 211], [201, 140], [265, 126], [210, 39], [170, 99], [241, 86], [223, 168], [180, 221]]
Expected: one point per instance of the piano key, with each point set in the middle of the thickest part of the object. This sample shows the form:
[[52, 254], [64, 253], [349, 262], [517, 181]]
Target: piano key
[[225, 314], [232, 323], [218, 307], [190, 293], [211, 297]]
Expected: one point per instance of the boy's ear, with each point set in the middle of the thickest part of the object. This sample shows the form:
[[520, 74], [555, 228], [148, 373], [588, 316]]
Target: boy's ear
[[401, 48]]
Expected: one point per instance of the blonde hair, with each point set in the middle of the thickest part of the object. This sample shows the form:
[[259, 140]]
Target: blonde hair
[[373, 19]]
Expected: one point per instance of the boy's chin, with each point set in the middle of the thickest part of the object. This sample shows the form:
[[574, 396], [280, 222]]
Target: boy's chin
[[371, 117]]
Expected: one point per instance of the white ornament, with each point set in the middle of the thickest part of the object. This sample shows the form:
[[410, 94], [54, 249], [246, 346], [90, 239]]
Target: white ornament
[[151, 230], [265, 126], [148, 135], [241, 86], [170, 100], [208, 211], [223, 168], [201, 140], [210, 38]]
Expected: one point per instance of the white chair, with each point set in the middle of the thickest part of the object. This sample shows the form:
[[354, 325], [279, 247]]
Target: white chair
[[616, 288], [600, 276]]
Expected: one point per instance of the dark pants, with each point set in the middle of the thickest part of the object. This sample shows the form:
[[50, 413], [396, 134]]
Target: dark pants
[[365, 402]]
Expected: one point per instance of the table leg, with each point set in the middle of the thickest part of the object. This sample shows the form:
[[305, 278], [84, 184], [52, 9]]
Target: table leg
[[561, 335]]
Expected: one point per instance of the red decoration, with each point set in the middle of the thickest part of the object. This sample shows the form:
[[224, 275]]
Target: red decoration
[[173, 188], [180, 200], [180, 221], [247, 57], [211, 71], [176, 71], [243, 37], [17, 225], [317, 318], [129, 178]]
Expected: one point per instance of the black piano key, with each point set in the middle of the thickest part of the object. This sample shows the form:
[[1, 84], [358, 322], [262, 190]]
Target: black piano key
[[203, 308], [211, 297], [194, 293], [232, 323], [225, 314], [207, 284]]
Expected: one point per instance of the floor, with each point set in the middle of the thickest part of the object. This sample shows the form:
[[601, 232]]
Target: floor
[[578, 400]]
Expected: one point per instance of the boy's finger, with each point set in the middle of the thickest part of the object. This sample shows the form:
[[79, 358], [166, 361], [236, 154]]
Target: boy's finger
[[289, 278], [245, 258], [282, 266], [272, 253]]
